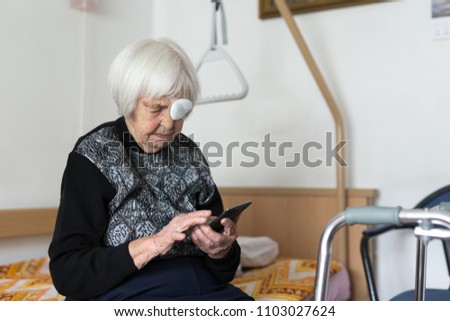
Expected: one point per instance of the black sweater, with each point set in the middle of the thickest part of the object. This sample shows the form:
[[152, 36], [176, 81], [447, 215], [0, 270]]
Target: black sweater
[[81, 264]]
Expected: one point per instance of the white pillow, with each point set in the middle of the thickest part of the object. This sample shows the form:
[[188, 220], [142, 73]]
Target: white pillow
[[257, 251]]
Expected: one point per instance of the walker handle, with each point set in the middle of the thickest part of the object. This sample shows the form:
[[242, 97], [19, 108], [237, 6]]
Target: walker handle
[[372, 215], [444, 206]]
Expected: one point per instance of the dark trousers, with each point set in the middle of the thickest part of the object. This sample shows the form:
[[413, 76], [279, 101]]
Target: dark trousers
[[184, 278]]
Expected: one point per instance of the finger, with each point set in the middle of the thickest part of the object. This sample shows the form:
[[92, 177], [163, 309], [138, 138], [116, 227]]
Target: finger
[[203, 213], [185, 221], [198, 241], [209, 232], [178, 236], [229, 227], [197, 216], [205, 238], [200, 232]]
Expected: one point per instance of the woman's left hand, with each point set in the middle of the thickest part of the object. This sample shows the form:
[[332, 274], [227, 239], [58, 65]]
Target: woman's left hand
[[216, 245]]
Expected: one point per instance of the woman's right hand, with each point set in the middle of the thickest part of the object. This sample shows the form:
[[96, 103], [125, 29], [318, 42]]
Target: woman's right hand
[[177, 229], [144, 249]]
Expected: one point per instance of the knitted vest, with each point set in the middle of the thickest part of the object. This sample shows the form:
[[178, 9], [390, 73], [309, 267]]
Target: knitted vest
[[151, 189]]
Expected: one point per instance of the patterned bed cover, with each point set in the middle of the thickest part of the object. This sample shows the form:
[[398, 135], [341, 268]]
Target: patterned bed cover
[[285, 279]]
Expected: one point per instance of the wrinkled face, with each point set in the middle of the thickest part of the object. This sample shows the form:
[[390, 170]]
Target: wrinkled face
[[150, 124]]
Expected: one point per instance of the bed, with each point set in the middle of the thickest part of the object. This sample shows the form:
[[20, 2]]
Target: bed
[[292, 218]]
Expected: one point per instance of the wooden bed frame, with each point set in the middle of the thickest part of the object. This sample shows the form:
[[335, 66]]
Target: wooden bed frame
[[294, 217]]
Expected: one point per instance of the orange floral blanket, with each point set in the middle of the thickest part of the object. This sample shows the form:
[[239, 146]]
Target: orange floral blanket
[[27, 281], [285, 279]]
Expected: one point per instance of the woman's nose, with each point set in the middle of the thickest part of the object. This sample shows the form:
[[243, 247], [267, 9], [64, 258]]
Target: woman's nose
[[166, 120]]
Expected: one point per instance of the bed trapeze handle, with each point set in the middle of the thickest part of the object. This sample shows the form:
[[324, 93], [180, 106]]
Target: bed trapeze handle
[[216, 54]]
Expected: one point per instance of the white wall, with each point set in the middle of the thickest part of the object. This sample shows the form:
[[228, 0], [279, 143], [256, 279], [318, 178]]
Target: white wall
[[39, 81], [54, 62], [112, 27], [40, 85], [386, 73]]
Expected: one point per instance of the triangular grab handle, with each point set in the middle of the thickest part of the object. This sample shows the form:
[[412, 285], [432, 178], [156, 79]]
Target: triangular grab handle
[[217, 53]]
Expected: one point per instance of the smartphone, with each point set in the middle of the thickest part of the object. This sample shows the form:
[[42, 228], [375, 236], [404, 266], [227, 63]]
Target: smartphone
[[231, 213]]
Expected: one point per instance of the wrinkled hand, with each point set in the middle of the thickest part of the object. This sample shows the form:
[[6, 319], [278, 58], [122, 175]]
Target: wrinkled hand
[[175, 230], [215, 245], [146, 248]]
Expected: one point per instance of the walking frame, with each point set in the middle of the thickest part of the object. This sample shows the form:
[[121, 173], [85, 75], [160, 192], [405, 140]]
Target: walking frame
[[431, 223]]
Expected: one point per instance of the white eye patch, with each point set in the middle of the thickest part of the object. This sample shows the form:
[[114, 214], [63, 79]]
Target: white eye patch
[[180, 108]]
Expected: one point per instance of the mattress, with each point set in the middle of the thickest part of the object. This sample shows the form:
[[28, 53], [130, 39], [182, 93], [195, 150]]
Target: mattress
[[284, 279]]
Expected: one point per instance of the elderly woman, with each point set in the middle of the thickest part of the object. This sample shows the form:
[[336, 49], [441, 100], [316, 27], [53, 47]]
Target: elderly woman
[[136, 195]]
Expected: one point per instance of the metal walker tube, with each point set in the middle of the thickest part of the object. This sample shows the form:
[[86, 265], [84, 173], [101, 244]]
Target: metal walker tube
[[427, 230], [321, 282]]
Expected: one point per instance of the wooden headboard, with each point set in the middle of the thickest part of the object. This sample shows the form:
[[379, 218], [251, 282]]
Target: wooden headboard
[[27, 222], [294, 217]]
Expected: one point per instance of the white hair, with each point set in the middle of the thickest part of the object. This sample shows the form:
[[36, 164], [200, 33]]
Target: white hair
[[153, 69]]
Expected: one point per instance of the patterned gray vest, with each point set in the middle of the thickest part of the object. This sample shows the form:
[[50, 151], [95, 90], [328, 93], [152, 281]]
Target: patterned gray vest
[[151, 189]]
